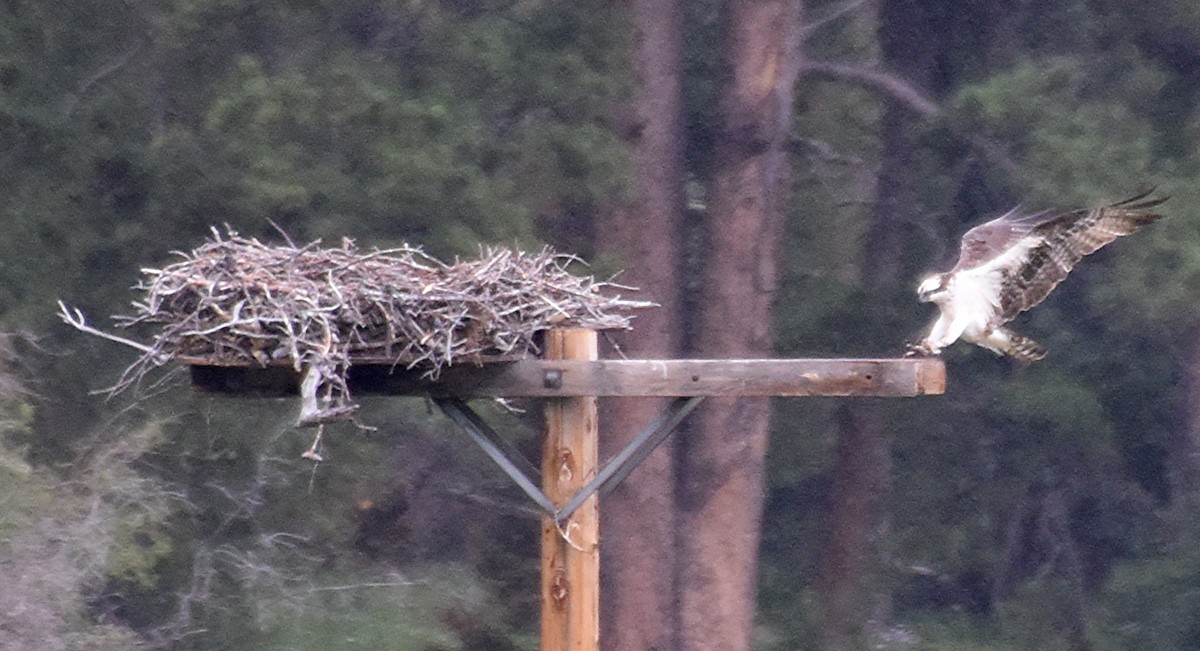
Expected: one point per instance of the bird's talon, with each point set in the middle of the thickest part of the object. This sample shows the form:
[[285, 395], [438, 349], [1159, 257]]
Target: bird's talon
[[917, 349]]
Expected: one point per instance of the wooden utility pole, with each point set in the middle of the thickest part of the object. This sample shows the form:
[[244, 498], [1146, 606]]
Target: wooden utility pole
[[570, 549]]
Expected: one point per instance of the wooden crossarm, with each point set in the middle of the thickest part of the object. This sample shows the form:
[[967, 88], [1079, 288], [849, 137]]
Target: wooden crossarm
[[635, 377]]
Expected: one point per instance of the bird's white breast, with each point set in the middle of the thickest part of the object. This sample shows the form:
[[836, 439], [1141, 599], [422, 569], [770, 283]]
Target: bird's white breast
[[974, 300]]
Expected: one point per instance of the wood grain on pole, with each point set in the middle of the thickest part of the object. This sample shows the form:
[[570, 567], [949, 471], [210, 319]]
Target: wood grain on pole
[[609, 377], [570, 551]]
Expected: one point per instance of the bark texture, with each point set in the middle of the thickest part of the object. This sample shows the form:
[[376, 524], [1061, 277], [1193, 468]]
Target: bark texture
[[859, 479], [721, 458], [637, 519], [911, 44]]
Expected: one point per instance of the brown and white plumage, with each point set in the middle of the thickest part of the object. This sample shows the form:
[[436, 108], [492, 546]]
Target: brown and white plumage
[[1012, 263]]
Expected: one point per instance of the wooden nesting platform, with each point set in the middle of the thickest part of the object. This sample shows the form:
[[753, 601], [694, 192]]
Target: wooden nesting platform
[[531, 377]]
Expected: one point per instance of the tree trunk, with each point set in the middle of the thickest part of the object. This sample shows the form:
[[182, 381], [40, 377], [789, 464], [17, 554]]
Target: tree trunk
[[721, 457], [849, 558], [1183, 453], [910, 44], [637, 600]]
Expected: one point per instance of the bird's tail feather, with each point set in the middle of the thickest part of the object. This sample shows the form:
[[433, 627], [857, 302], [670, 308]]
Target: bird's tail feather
[[1021, 348]]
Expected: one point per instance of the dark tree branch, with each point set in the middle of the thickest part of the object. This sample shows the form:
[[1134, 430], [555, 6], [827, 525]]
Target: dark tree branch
[[880, 80], [819, 150], [898, 88], [836, 14], [107, 70]]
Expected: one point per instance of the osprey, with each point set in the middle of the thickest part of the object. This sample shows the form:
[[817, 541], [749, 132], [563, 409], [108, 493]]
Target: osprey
[[1011, 264]]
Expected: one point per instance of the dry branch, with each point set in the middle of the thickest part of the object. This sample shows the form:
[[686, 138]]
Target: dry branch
[[235, 300]]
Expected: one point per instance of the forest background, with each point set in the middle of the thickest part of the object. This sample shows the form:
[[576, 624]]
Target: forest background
[[1046, 507]]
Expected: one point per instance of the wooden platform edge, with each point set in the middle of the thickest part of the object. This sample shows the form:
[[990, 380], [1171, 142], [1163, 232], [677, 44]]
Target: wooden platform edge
[[904, 377]]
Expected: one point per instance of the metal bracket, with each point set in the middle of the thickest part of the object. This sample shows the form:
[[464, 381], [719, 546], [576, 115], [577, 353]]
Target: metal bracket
[[505, 454], [616, 469], [611, 474]]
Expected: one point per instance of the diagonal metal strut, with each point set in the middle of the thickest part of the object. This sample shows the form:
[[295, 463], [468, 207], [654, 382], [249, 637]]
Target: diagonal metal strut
[[616, 469], [612, 473], [507, 456]]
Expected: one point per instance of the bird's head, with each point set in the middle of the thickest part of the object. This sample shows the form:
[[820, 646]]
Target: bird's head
[[935, 288]]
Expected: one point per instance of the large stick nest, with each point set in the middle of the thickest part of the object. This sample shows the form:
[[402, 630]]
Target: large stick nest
[[235, 300]]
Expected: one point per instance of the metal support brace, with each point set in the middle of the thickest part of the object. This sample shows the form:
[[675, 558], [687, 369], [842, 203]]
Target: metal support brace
[[616, 469], [508, 457], [612, 473]]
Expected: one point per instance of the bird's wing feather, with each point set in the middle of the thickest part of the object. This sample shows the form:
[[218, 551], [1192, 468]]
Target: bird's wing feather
[[1052, 247], [982, 244], [986, 282]]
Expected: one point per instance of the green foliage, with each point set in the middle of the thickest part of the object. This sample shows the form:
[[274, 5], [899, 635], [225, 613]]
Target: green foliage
[[473, 144], [1150, 604], [66, 534], [443, 125], [950, 632], [348, 146], [1076, 140], [141, 537], [423, 610]]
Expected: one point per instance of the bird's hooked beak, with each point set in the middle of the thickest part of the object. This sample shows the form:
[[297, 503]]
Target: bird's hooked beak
[[929, 287]]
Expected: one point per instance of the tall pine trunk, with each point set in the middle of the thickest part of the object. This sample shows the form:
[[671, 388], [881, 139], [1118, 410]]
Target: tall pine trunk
[[637, 528], [721, 458], [1183, 455], [848, 581], [850, 559]]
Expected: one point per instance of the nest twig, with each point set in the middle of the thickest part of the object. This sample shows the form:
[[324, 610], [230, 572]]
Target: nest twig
[[235, 300]]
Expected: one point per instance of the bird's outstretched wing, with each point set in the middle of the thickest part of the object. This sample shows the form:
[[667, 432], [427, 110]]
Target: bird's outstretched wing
[[988, 241], [1053, 245]]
